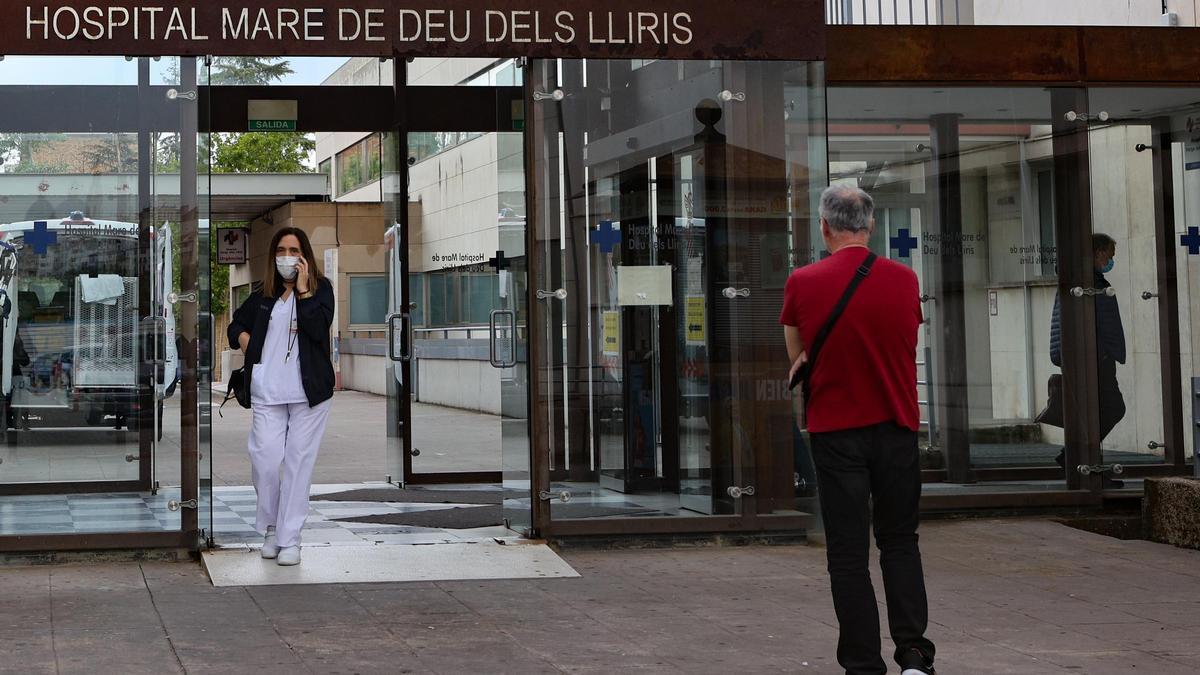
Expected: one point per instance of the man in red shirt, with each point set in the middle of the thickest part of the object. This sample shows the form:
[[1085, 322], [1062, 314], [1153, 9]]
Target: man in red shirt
[[863, 420]]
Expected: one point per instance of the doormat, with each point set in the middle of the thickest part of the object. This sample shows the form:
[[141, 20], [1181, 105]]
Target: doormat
[[422, 496], [392, 562], [471, 517]]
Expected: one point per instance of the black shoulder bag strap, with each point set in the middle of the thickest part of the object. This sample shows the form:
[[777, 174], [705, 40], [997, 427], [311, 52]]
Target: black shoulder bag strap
[[819, 341]]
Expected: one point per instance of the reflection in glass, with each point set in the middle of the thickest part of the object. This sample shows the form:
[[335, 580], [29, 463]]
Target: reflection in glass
[[89, 257], [988, 153], [666, 212]]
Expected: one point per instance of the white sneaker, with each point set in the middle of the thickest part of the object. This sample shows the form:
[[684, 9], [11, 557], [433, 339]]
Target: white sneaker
[[289, 555], [269, 548]]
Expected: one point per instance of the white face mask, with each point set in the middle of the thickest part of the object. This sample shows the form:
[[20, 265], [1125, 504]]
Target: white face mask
[[286, 266]]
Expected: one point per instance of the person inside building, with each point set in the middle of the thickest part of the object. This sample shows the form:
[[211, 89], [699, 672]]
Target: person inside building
[[850, 322], [283, 329], [1110, 344]]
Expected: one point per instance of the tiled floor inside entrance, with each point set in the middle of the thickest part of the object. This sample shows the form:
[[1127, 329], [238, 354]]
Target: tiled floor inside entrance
[[232, 516]]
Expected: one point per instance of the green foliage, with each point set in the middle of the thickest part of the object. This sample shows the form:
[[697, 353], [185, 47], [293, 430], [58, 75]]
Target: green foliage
[[261, 152], [248, 70]]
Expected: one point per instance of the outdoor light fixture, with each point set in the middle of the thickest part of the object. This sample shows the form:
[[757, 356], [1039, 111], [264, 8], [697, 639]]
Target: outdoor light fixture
[[557, 95], [173, 94], [727, 96]]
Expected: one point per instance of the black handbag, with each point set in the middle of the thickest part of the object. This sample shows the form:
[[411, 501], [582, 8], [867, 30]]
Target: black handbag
[[1053, 412], [236, 388]]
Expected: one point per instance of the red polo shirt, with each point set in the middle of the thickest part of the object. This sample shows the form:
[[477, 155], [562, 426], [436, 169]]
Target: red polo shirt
[[867, 371]]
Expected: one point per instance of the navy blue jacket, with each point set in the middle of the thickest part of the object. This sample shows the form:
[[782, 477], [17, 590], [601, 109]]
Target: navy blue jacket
[[1110, 334], [314, 316]]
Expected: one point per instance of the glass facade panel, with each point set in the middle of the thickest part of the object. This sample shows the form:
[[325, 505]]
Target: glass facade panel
[[668, 195], [99, 207], [963, 181], [1146, 192]]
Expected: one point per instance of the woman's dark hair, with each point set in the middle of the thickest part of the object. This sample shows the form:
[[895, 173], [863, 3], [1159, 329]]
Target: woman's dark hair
[[272, 281]]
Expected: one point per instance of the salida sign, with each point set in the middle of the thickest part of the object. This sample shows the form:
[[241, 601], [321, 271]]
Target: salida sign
[[765, 29]]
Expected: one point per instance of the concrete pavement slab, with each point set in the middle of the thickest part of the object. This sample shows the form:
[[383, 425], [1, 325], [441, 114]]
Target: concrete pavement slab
[[695, 610]]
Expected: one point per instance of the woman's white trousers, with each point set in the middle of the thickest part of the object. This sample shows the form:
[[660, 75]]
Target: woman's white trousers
[[284, 440]]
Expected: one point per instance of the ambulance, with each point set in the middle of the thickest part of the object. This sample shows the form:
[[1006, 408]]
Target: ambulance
[[78, 350]]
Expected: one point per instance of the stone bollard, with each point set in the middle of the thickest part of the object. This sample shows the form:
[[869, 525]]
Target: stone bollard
[[1171, 511]]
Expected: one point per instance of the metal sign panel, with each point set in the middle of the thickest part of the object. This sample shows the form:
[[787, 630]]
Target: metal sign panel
[[272, 115], [662, 29], [231, 246]]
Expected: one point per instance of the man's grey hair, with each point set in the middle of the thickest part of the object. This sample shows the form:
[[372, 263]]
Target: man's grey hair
[[847, 209]]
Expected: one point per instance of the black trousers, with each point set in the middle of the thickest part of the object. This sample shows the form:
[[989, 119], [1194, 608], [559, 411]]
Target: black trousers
[[878, 464]]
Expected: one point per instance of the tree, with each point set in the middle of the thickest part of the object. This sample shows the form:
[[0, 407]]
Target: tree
[[251, 152], [248, 70], [261, 152]]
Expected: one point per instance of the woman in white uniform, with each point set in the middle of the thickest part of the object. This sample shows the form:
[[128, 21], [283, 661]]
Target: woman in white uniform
[[283, 329]]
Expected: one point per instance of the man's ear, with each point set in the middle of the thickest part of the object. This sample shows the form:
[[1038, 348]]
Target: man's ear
[[825, 228], [871, 228]]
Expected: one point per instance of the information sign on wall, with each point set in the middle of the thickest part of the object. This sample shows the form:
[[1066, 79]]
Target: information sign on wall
[[694, 319], [612, 333], [272, 115], [231, 245]]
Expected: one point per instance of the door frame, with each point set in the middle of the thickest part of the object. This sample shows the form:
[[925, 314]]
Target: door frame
[[422, 109]]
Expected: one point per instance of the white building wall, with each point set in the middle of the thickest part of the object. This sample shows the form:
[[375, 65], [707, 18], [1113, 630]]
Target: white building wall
[[458, 194], [1011, 12], [1068, 12]]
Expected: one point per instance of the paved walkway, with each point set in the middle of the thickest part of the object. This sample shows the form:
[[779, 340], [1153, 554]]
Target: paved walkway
[[1008, 597]]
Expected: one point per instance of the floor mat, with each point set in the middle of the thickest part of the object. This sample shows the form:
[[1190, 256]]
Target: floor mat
[[419, 496], [482, 516], [373, 564]]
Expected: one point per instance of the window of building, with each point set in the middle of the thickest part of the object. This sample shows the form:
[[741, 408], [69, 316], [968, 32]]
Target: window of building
[[1045, 194], [368, 300], [425, 144], [416, 296], [359, 164], [373, 159], [350, 169]]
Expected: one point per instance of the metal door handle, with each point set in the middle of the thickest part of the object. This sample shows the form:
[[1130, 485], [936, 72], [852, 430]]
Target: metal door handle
[[1080, 291], [1148, 295], [560, 294], [494, 338], [405, 322], [732, 292]]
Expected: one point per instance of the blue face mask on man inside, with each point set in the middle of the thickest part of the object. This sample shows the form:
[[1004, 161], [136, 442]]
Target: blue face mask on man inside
[[1112, 262]]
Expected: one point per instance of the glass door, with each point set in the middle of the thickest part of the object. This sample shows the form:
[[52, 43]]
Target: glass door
[[1139, 302], [1147, 155], [100, 423], [456, 285], [664, 194]]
